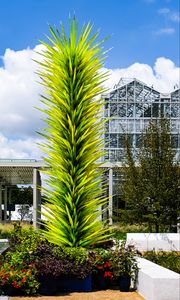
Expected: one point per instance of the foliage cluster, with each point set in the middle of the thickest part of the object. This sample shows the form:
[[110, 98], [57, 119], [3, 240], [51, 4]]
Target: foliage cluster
[[7, 230], [52, 260], [123, 260], [169, 260], [17, 264], [152, 178], [102, 263], [121, 229], [20, 277], [5, 234], [22, 195], [31, 257]]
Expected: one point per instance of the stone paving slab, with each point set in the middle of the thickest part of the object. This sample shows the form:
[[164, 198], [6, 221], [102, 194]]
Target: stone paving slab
[[99, 295]]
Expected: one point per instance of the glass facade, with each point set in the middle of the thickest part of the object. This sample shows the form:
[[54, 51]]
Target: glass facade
[[129, 107]]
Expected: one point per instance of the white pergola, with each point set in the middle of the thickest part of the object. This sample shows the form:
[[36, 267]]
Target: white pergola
[[27, 171], [21, 171]]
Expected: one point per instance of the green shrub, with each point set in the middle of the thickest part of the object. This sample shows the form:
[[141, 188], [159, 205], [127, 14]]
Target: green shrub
[[6, 230], [53, 260], [123, 261], [169, 260], [120, 230], [119, 235], [131, 228], [20, 277], [17, 268]]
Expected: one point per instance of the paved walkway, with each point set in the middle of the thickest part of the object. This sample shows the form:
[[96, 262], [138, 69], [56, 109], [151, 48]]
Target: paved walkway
[[99, 295]]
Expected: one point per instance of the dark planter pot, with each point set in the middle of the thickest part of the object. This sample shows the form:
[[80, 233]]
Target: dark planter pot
[[48, 285], [124, 283], [100, 282], [69, 284], [12, 291]]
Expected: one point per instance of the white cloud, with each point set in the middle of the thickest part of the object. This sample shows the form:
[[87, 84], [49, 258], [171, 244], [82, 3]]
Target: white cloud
[[20, 93], [163, 76], [164, 31], [175, 17], [19, 148], [163, 11], [169, 14]]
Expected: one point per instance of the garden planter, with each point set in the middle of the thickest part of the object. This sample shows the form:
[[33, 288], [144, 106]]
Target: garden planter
[[12, 291], [100, 282], [48, 285], [124, 283], [72, 284]]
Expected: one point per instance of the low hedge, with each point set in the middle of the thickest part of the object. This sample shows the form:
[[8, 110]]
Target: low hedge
[[169, 260]]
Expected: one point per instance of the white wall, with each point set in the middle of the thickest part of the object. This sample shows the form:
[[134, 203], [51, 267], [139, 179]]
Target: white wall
[[156, 282], [156, 241]]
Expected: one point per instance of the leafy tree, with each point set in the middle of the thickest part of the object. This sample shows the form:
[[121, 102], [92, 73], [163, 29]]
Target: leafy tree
[[152, 179], [71, 75], [22, 195]]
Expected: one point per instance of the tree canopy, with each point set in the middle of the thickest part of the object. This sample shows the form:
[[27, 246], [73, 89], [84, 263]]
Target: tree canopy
[[151, 189]]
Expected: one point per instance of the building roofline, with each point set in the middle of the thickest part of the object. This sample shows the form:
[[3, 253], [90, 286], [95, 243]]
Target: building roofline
[[126, 80], [33, 163]]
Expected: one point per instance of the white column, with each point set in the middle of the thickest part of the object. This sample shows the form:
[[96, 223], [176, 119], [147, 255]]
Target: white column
[[5, 204], [178, 227], [10, 192], [0, 202], [110, 195], [36, 197]]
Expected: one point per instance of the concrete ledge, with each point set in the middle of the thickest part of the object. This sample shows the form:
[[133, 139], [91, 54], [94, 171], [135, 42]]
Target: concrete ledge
[[156, 282], [3, 246], [154, 241]]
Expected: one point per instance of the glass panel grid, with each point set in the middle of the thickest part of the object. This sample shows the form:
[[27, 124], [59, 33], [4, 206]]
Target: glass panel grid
[[130, 108]]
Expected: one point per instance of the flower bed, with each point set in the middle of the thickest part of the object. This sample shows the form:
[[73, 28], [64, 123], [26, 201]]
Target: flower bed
[[33, 265]]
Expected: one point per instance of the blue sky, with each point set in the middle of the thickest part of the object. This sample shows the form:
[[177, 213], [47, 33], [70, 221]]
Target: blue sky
[[141, 30], [144, 41]]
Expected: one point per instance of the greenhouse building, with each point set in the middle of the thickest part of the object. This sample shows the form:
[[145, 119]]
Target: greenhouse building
[[129, 107]]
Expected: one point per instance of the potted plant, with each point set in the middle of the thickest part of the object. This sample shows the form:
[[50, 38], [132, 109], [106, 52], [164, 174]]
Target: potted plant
[[102, 275], [17, 270], [62, 269], [124, 265], [18, 280]]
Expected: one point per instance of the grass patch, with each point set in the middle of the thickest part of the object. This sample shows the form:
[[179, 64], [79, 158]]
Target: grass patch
[[6, 229], [120, 230]]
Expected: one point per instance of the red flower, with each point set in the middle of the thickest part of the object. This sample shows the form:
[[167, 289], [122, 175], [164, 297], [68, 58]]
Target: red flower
[[24, 279], [16, 285], [107, 264], [108, 274]]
